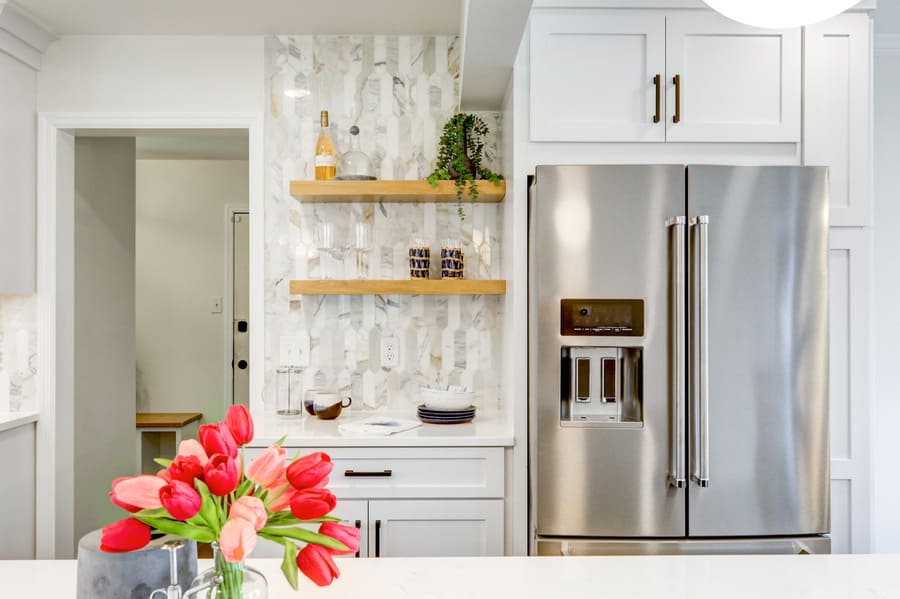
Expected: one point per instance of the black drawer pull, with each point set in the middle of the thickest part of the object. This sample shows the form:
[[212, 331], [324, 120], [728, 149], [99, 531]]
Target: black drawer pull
[[358, 527], [383, 473], [378, 538]]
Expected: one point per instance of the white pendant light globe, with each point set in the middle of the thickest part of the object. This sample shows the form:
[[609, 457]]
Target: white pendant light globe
[[779, 14]]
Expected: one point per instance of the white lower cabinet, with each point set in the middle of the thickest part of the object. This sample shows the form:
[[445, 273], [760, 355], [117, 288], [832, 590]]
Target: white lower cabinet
[[415, 501], [432, 528]]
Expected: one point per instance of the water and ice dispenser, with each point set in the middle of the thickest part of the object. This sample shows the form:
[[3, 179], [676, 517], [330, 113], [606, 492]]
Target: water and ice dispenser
[[601, 385]]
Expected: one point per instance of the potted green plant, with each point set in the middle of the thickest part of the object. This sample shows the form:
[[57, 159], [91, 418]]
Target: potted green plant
[[459, 157]]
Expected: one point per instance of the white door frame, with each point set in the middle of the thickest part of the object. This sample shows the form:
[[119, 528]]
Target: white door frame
[[228, 300], [55, 273]]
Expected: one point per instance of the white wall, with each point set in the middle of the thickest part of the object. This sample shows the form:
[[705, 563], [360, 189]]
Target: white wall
[[17, 491], [886, 395], [104, 437], [152, 73], [17, 176], [181, 228]]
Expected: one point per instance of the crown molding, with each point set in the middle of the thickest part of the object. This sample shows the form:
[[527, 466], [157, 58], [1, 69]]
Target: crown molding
[[887, 44], [22, 36]]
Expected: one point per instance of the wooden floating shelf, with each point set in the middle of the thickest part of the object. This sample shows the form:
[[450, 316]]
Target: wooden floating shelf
[[399, 287], [392, 191]]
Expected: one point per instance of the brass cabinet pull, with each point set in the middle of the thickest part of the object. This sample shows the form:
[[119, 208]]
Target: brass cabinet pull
[[677, 81], [657, 81]]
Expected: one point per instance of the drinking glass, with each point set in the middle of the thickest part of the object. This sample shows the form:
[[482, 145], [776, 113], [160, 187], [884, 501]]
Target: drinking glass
[[325, 241], [362, 244]]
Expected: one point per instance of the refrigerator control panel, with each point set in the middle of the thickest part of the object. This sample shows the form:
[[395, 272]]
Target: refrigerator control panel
[[602, 317]]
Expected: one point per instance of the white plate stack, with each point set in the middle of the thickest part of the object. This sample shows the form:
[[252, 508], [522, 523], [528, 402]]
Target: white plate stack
[[447, 405]]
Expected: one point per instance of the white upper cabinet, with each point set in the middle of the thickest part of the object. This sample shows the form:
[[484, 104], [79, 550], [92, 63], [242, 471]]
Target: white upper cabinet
[[836, 100], [593, 78], [736, 83], [592, 75], [18, 236]]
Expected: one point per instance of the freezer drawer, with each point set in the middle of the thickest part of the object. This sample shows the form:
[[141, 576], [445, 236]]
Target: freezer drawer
[[724, 546]]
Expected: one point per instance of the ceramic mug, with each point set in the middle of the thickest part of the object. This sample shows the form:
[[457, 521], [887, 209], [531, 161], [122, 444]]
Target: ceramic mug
[[309, 400], [328, 404]]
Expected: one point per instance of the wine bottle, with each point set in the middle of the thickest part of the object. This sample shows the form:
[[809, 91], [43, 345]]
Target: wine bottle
[[325, 157]]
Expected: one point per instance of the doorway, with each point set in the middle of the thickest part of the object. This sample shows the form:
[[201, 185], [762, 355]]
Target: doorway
[[66, 442]]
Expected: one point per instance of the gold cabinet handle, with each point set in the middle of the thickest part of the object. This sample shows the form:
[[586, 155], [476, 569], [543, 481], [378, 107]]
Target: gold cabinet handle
[[677, 82], [657, 81]]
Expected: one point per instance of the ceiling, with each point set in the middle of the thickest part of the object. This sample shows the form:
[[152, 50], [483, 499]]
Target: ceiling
[[245, 17]]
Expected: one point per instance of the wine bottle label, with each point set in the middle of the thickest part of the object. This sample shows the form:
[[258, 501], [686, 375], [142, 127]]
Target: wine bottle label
[[324, 160]]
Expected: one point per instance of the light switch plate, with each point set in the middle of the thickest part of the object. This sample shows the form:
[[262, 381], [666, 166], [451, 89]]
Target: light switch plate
[[215, 305], [294, 351]]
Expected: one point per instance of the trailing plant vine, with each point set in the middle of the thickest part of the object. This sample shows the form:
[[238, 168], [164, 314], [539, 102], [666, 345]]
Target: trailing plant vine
[[459, 157]]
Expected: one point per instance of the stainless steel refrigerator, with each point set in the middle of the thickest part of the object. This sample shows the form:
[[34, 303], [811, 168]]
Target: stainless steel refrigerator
[[678, 360]]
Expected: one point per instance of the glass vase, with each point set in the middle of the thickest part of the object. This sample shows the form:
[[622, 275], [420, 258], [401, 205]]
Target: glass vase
[[227, 580]]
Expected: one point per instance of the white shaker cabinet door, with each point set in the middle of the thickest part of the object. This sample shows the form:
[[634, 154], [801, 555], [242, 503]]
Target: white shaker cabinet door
[[850, 293], [352, 512], [435, 528], [593, 75], [837, 102], [735, 83]]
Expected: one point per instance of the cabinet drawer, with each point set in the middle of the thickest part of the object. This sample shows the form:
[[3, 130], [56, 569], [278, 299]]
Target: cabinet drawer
[[412, 472]]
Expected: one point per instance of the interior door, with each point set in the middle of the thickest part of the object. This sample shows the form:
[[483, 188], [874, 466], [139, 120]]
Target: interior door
[[759, 351], [240, 363], [735, 83], [603, 232], [597, 75]]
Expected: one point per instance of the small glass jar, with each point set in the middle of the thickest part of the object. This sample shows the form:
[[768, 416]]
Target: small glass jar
[[288, 396]]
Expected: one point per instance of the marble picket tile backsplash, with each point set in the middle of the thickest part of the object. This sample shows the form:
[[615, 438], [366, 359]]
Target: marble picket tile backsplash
[[18, 352], [399, 90]]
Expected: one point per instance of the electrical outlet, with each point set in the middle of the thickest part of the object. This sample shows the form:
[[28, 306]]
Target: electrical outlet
[[294, 351], [390, 352]]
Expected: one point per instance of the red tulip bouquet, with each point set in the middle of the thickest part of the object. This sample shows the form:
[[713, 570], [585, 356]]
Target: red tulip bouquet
[[205, 494]]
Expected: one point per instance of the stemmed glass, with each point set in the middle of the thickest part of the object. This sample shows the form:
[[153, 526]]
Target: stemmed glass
[[327, 247], [362, 244]]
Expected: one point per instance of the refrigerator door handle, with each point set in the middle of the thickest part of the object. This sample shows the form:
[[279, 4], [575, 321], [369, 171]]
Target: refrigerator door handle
[[677, 385], [700, 354]]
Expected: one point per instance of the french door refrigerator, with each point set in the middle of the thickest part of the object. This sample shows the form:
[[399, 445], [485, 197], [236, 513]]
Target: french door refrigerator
[[678, 360]]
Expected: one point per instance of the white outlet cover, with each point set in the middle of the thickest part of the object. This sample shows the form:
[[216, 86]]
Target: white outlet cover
[[294, 351], [390, 352]]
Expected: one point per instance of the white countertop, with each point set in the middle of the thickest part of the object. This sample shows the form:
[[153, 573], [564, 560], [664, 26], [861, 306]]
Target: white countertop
[[682, 577], [10, 420], [488, 429]]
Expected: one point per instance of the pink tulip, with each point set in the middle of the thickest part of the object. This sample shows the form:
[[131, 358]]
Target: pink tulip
[[180, 500], [141, 492], [309, 504], [117, 501], [192, 447], [268, 466], [316, 563], [240, 424], [221, 475], [186, 468], [237, 539], [310, 470], [125, 535], [348, 535], [283, 501], [251, 509], [216, 438], [164, 474]]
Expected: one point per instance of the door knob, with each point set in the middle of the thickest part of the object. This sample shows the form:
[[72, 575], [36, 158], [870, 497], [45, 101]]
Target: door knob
[[242, 364]]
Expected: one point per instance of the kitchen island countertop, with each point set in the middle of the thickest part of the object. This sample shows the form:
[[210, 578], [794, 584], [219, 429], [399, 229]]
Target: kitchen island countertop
[[669, 577]]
